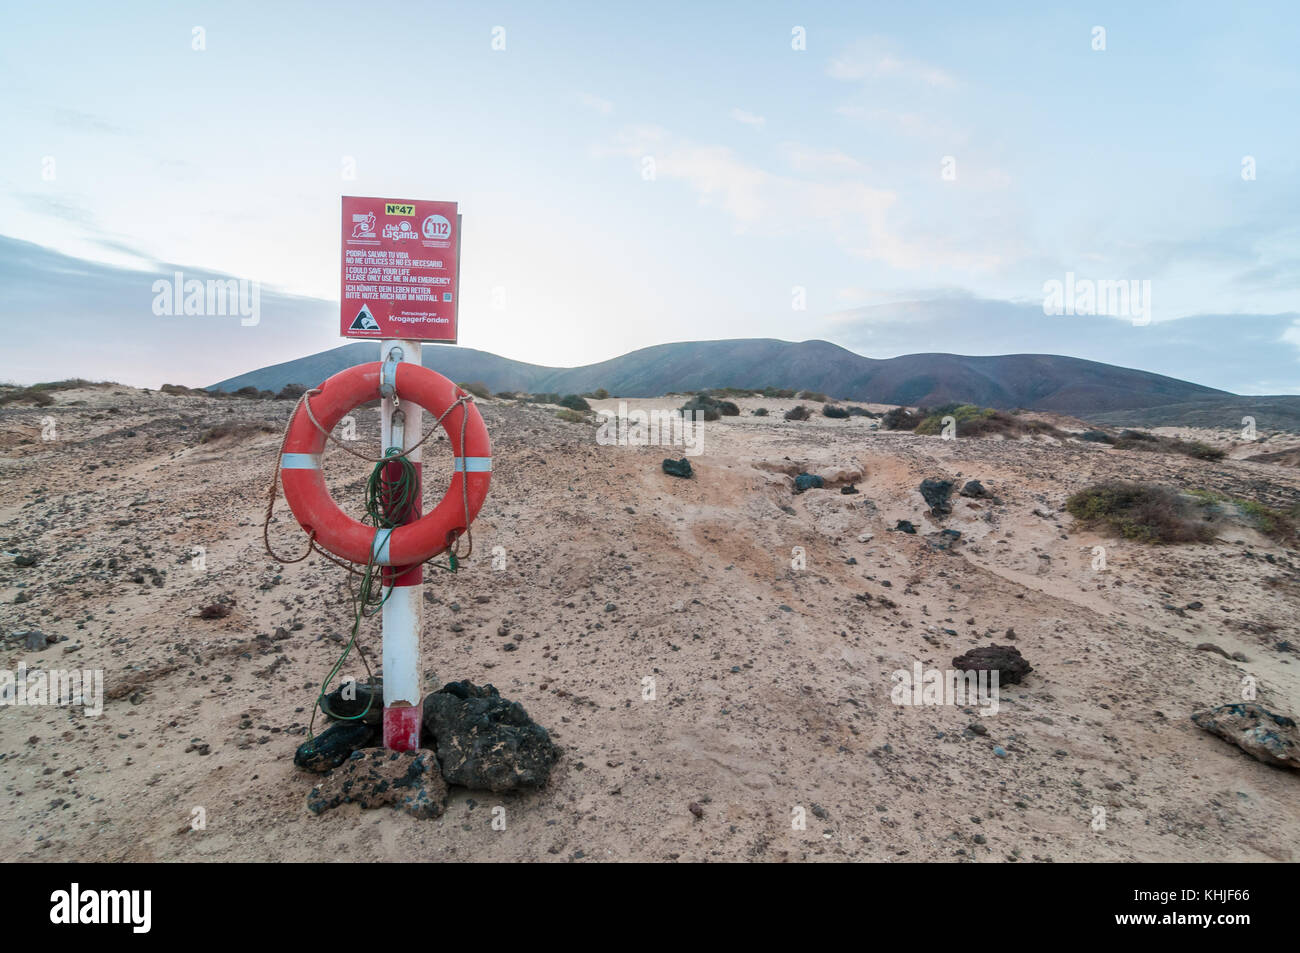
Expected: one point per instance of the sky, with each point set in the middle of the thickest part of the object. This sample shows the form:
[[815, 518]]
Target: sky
[[891, 177]]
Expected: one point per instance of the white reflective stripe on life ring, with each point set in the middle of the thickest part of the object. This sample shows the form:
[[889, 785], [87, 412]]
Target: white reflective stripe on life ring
[[300, 461], [473, 465]]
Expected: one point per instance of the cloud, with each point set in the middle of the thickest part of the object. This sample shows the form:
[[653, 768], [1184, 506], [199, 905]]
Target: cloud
[[600, 105], [811, 159], [858, 216], [875, 60], [748, 118]]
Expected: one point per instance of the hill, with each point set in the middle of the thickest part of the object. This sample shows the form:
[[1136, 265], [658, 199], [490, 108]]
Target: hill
[[1032, 381]]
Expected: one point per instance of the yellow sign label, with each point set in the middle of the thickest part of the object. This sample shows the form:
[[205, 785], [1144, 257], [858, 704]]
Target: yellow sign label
[[396, 208]]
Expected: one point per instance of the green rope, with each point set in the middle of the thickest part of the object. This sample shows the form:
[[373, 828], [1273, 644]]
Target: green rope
[[389, 503]]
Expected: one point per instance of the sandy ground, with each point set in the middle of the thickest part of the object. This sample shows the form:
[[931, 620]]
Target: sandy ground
[[771, 684]]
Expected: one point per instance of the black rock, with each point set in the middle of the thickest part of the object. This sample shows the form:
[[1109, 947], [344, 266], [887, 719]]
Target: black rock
[[808, 481], [678, 468], [849, 490], [24, 559], [905, 527], [975, 490], [936, 493], [333, 746], [485, 741], [1005, 659], [35, 641], [374, 777]]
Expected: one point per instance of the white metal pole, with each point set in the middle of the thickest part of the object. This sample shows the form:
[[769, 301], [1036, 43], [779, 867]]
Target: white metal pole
[[403, 609]]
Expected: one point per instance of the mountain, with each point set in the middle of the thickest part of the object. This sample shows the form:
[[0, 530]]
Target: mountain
[[1270, 413], [1032, 381]]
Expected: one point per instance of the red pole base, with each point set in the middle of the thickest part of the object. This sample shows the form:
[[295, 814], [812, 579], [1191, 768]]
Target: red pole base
[[402, 727]]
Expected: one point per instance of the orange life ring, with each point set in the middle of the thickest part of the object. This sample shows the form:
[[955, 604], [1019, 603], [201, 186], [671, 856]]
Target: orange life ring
[[340, 534]]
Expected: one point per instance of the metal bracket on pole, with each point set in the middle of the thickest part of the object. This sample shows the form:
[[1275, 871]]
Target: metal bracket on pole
[[388, 373]]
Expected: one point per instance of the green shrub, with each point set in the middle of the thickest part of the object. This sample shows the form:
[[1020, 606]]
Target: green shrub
[[760, 412], [570, 416], [574, 402], [831, 410], [798, 413], [477, 388], [1147, 514], [900, 418]]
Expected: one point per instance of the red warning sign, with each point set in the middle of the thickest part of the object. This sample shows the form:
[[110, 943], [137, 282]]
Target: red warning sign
[[401, 269]]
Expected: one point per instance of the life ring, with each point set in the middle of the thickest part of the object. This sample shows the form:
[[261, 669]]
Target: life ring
[[340, 534]]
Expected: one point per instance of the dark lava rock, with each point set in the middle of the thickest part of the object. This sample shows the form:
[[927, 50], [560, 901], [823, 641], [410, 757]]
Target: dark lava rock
[[333, 746], [945, 540], [678, 468], [1269, 737], [1006, 659], [936, 493], [849, 490], [485, 741], [36, 641], [373, 777], [24, 560], [214, 611], [905, 527], [975, 490], [808, 481]]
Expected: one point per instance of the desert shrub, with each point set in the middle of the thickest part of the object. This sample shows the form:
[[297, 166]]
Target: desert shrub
[[975, 421], [249, 391], [39, 398], [1148, 514], [1096, 436], [477, 388], [546, 398], [831, 410], [1138, 435], [568, 415], [506, 395], [600, 394], [574, 402], [760, 412], [780, 393], [291, 392], [813, 395], [900, 418], [1139, 440], [1280, 524], [855, 411], [710, 407], [235, 429], [798, 413]]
